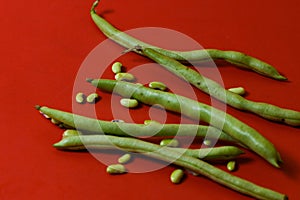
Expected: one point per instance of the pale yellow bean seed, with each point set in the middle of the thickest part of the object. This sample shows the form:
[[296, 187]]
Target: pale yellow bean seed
[[177, 176], [237, 90], [80, 97], [92, 98], [116, 169], [169, 142], [124, 77], [117, 67], [125, 158], [157, 85], [129, 103]]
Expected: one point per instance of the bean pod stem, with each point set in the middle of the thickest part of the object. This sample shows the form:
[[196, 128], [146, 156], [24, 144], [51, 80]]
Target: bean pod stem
[[237, 58]]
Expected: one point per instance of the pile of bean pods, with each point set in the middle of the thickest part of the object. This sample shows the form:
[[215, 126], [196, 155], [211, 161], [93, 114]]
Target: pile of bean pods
[[89, 133]]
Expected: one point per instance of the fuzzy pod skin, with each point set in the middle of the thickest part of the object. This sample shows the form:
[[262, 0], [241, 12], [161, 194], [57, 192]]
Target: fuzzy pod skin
[[131, 129], [214, 89], [237, 58], [195, 110], [170, 155]]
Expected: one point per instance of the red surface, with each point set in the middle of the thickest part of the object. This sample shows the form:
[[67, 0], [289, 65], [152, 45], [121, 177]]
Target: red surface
[[43, 44]]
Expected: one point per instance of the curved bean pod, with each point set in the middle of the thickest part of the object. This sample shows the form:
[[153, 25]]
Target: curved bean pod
[[195, 110], [214, 89], [169, 155], [131, 129], [209, 154], [234, 57]]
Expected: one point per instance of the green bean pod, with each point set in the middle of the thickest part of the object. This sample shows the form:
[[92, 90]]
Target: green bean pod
[[237, 58], [131, 129], [223, 153], [268, 111], [195, 110], [169, 155]]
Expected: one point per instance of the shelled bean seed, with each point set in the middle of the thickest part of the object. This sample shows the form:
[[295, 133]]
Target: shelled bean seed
[[129, 103], [117, 67]]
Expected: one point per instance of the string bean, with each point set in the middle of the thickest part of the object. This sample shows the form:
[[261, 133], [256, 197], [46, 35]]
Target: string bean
[[268, 111], [131, 129], [223, 153], [237, 58], [195, 110], [169, 155]]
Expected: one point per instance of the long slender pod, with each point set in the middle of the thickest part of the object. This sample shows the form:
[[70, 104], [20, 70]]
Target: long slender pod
[[222, 153], [131, 129], [214, 89], [195, 110], [234, 57], [169, 155]]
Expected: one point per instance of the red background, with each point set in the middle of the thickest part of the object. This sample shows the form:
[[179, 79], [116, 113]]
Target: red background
[[43, 44]]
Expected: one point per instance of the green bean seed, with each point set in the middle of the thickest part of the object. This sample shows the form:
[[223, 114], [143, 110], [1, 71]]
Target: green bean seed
[[193, 109], [231, 166], [237, 58], [124, 77], [237, 90], [169, 142], [124, 159], [117, 67], [157, 85], [116, 169], [80, 98], [177, 176], [92, 98], [129, 103]]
